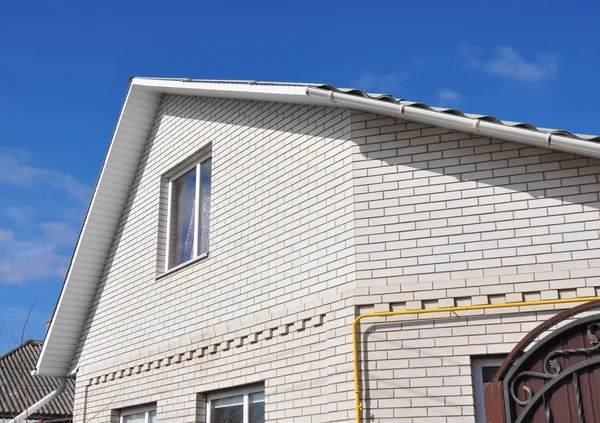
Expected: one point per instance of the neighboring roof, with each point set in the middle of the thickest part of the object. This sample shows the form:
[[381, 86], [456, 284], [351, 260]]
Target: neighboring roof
[[19, 389], [131, 133]]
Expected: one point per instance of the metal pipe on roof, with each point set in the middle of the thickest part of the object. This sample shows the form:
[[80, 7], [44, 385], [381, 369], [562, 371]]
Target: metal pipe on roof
[[460, 123], [24, 416]]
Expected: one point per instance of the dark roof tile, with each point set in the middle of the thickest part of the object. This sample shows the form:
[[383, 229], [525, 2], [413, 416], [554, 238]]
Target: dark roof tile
[[19, 389]]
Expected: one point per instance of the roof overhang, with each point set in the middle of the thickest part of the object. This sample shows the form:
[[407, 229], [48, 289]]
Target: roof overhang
[[131, 134]]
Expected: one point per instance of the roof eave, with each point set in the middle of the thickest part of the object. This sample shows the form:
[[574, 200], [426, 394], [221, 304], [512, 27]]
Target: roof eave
[[555, 140], [46, 366]]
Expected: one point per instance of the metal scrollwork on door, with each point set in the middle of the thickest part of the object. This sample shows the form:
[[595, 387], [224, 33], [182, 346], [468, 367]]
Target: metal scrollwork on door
[[553, 380], [553, 375]]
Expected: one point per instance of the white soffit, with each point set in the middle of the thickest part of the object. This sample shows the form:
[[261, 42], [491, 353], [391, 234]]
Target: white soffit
[[131, 133], [95, 240], [243, 90]]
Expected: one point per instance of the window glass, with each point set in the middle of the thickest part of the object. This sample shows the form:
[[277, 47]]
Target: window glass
[[184, 194], [488, 373], [228, 410], [143, 414], [189, 214], [135, 418], [257, 408], [203, 227], [244, 405]]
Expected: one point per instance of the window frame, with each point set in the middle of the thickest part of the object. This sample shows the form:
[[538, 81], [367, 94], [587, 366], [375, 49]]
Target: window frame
[[196, 164], [477, 364], [246, 392], [146, 409]]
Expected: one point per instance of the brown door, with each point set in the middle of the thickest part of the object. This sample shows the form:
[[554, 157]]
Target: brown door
[[553, 380]]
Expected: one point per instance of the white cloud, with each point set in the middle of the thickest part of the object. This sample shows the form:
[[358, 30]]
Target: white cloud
[[6, 236], [15, 170], [382, 83], [23, 260], [38, 242], [508, 63], [448, 98], [22, 215], [59, 232]]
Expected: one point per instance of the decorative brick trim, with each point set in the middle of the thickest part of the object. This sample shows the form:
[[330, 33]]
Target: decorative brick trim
[[477, 300], [210, 349]]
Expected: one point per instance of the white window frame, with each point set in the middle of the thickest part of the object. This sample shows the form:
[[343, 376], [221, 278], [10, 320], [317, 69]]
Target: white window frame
[[477, 363], [196, 164], [232, 393], [144, 409]]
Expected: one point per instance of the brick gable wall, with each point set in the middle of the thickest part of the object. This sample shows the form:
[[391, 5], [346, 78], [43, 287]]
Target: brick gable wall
[[319, 214]]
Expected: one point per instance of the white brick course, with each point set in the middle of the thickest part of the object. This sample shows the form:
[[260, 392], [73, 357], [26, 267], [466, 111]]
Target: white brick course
[[319, 214], [504, 226]]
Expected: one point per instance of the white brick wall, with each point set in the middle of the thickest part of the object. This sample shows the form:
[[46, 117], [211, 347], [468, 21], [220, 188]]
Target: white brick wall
[[281, 254], [319, 214], [445, 219]]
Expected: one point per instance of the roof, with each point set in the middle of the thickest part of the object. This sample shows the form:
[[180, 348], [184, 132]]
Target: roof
[[131, 133], [19, 389], [394, 100]]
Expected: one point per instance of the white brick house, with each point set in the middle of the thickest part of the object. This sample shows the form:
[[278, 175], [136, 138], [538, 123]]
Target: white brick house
[[238, 228]]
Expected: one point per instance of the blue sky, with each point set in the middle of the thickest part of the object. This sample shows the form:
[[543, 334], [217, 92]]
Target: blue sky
[[64, 69]]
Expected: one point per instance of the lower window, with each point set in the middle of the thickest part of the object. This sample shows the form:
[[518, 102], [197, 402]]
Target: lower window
[[484, 370], [139, 415], [239, 406]]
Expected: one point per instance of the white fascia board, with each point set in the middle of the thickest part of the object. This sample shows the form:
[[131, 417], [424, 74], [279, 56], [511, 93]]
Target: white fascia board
[[279, 93], [87, 264]]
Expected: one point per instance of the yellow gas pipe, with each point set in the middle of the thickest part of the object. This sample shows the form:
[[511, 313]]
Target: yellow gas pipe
[[359, 406]]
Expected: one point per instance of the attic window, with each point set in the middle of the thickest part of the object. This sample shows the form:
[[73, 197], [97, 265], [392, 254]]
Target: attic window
[[189, 214]]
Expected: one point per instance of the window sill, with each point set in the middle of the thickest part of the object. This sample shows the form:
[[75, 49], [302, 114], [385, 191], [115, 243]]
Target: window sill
[[182, 266]]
